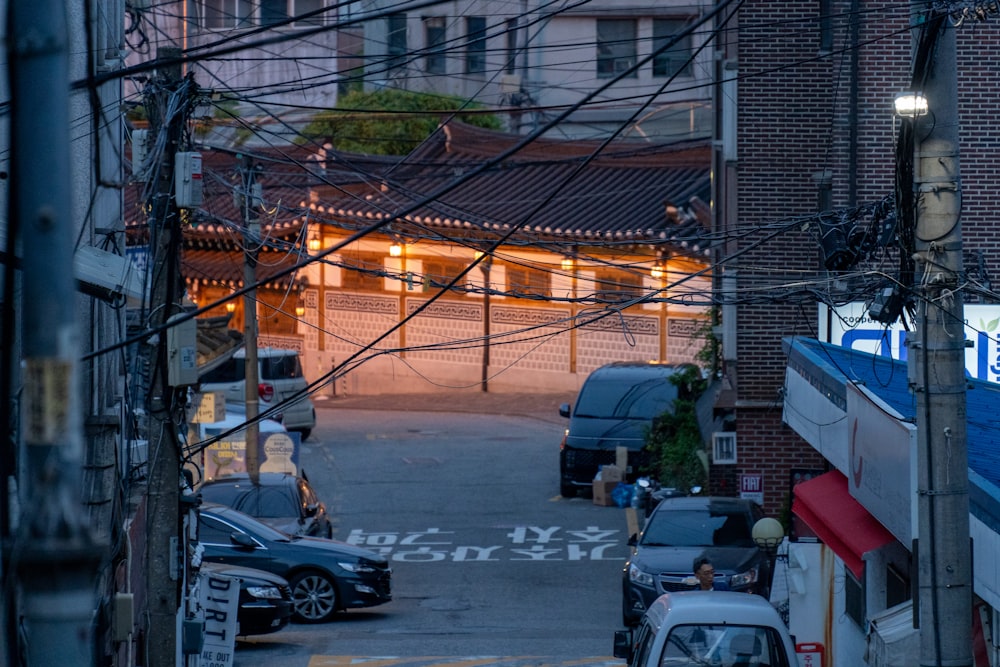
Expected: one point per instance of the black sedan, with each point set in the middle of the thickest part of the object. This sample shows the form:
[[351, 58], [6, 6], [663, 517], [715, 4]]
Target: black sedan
[[682, 529], [281, 500], [265, 603], [325, 575]]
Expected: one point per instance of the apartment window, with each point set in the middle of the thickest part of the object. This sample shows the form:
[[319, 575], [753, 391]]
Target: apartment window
[[616, 40], [825, 26], [510, 66], [475, 45], [274, 12], [676, 60], [225, 14], [526, 280], [396, 48], [435, 34], [724, 447], [617, 286]]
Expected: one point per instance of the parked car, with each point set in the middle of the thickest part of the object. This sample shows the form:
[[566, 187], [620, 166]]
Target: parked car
[[326, 576], [717, 628], [615, 406], [265, 603], [682, 529], [279, 379], [281, 500]]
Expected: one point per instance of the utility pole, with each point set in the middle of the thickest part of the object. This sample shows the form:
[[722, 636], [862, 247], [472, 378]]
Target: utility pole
[[937, 362], [164, 557], [54, 555], [251, 237]]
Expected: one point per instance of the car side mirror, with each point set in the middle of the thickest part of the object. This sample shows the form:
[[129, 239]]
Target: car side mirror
[[242, 540], [623, 644], [633, 539], [564, 410], [311, 510]]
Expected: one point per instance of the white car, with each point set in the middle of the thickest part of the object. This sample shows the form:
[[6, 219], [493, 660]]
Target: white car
[[280, 385], [719, 628]]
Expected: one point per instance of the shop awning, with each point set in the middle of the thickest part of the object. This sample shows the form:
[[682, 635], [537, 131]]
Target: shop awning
[[826, 506]]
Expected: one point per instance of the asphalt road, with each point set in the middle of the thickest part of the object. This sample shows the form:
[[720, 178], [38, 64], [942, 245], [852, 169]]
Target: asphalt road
[[490, 565]]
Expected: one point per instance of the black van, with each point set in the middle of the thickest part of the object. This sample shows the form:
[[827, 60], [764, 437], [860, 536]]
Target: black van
[[616, 405]]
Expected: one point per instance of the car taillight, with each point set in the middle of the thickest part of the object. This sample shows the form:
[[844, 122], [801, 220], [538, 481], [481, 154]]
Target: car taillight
[[265, 391]]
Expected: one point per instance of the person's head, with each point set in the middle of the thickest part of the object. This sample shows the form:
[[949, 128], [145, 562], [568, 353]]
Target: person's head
[[704, 572]]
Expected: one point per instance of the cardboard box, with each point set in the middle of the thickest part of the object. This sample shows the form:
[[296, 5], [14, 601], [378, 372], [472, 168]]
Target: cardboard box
[[602, 492], [611, 474]]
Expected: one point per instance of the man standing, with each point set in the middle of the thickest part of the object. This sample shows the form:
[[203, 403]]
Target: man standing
[[704, 572]]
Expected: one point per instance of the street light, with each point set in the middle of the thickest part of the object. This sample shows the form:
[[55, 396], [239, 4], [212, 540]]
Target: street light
[[767, 534], [910, 105]]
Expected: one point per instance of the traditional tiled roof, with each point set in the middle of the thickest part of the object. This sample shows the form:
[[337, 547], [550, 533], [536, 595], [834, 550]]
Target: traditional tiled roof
[[551, 191]]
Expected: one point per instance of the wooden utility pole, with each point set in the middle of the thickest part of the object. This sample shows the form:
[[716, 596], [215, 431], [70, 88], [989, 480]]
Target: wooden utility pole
[[164, 557], [937, 360], [251, 239]]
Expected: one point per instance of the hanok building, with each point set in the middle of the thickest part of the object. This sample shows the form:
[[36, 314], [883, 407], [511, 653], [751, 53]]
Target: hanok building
[[474, 261]]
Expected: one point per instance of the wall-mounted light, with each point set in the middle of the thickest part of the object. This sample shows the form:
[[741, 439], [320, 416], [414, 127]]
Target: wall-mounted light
[[568, 263], [396, 250], [910, 105], [230, 306], [300, 311], [657, 271], [315, 244]]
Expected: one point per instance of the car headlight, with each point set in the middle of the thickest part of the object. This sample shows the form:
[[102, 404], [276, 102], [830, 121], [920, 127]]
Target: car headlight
[[359, 568], [639, 576], [264, 592], [743, 579]]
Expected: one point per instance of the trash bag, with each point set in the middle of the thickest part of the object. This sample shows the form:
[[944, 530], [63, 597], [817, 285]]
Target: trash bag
[[622, 494]]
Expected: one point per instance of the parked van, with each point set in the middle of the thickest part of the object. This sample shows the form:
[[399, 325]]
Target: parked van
[[279, 379], [719, 628], [615, 406]]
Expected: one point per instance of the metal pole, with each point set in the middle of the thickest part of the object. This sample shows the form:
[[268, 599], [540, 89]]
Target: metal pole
[[938, 352], [251, 237], [485, 267], [55, 555]]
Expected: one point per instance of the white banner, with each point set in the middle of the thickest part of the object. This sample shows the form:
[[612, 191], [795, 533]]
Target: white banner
[[850, 326], [220, 598]]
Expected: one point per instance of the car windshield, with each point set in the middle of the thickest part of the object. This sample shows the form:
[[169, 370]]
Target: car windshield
[[722, 646], [280, 367], [698, 528], [263, 502], [626, 399]]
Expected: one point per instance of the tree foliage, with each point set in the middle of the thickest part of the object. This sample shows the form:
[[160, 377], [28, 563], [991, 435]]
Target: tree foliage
[[677, 451], [388, 121]]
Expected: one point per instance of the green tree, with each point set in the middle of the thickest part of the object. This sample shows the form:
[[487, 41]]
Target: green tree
[[389, 121], [674, 442]]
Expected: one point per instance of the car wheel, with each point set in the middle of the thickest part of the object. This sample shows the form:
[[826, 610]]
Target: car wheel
[[305, 433], [314, 596], [567, 490]]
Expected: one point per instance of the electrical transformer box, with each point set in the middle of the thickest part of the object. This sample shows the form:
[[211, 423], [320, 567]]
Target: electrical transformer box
[[187, 180], [182, 352]]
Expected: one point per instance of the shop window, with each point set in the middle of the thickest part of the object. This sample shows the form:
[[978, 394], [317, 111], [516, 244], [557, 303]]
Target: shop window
[[396, 48]]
